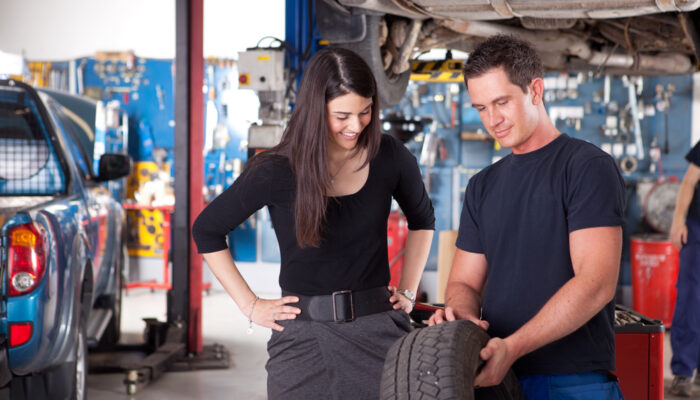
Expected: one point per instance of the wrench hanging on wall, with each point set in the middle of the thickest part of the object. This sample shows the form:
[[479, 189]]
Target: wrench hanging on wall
[[664, 104], [632, 92]]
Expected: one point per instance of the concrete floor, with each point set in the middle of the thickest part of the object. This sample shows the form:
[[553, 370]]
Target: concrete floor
[[668, 376], [223, 324]]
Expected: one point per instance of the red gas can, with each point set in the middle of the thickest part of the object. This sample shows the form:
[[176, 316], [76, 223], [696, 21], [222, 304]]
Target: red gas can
[[654, 263]]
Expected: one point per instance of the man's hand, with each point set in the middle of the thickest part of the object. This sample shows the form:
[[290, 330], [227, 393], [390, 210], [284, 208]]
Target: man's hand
[[448, 314], [679, 234], [498, 360]]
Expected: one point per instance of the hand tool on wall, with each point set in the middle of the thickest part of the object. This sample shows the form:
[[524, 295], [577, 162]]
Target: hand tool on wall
[[667, 100], [632, 92]]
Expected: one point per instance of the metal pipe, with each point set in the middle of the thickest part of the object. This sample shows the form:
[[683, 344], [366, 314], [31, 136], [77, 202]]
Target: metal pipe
[[548, 41], [674, 63], [554, 41], [611, 60], [402, 63]]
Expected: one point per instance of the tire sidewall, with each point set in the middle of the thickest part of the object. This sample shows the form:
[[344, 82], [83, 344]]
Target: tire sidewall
[[81, 365]]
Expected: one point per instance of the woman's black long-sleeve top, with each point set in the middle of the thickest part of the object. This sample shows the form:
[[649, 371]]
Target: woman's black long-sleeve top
[[353, 251]]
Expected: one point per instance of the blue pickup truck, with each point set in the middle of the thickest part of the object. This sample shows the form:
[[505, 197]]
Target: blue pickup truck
[[61, 242]]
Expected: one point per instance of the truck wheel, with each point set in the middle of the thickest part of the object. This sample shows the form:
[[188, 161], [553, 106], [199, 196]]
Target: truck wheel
[[81, 366], [68, 381], [391, 87], [440, 362], [111, 334]]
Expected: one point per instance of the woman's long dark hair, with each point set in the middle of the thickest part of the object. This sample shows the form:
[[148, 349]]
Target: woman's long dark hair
[[330, 73]]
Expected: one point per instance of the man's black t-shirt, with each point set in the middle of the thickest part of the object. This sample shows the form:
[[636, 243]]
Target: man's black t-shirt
[[353, 253], [519, 213], [693, 156]]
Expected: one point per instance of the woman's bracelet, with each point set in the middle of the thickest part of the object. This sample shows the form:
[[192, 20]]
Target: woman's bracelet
[[250, 316]]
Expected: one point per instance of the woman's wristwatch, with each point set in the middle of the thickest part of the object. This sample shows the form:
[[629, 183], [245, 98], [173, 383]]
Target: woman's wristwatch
[[409, 295]]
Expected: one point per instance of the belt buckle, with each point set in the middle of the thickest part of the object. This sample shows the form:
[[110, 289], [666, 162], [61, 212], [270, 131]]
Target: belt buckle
[[352, 306]]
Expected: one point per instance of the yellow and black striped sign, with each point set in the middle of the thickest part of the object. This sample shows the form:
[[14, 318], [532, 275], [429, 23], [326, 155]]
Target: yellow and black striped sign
[[437, 71]]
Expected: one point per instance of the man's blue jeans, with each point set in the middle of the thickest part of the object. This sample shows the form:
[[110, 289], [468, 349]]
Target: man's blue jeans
[[583, 386], [685, 326]]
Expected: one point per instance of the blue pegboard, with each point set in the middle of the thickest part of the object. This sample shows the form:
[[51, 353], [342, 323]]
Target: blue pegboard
[[146, 93]]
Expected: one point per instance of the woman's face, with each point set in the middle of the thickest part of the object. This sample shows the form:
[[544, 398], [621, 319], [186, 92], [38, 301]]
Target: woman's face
[[348, 115]]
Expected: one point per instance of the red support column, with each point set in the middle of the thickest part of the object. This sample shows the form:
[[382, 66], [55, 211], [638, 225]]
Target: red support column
[[196, 145]]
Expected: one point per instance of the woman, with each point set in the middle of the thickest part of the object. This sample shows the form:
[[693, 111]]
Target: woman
[[328, 186]]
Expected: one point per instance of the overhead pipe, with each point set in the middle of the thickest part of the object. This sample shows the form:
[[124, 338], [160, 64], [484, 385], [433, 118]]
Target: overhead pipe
[[554, 41], [402, 63]]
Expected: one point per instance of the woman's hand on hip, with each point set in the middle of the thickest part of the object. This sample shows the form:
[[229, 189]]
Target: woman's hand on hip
[[400, 301], [267, 311]]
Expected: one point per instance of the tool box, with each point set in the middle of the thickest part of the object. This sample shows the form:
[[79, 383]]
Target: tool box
[[639, 355]]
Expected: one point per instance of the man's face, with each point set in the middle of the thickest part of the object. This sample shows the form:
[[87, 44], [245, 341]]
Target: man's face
[[509, 115]]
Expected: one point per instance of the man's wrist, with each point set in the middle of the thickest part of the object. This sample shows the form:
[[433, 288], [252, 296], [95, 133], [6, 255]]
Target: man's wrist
[[516, 348]]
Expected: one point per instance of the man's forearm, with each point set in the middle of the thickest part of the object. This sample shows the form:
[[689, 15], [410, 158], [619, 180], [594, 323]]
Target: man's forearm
[[463, 299], [685, 196], [685, 193], [595, 255], [569, 309]]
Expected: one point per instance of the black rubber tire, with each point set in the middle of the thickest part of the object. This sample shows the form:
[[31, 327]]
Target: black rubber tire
[[440, 362], [110, 337], [391, 87], [69, 381], [81, 366]]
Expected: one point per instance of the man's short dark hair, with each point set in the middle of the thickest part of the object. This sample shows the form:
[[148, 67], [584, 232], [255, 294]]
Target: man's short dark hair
[[517, 57]]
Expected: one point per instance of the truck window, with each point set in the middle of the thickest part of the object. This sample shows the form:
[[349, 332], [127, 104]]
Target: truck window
[[28, 164], [78, 144]]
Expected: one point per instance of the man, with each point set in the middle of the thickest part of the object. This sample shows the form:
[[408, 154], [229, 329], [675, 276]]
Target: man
[[540, 239], [685, 235]]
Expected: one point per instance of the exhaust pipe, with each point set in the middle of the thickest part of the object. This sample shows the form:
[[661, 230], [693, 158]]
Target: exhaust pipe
[[553, 41]]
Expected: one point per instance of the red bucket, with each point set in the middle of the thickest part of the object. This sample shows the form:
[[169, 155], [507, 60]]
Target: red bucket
[[654, 263]]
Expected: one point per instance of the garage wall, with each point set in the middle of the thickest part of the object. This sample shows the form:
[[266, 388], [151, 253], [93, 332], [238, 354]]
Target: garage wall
[[60, 30]]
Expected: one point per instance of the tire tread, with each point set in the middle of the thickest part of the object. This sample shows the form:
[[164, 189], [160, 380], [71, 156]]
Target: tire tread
[[440, 362]]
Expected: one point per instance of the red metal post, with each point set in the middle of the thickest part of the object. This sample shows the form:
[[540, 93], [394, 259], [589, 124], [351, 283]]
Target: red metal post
[[196, 144]]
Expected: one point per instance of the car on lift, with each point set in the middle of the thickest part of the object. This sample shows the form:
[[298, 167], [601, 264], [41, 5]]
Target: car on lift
[[630, 37], [61, 243]]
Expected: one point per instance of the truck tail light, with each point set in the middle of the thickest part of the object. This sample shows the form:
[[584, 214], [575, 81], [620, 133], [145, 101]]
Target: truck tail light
[[26, 259], [20, 333]]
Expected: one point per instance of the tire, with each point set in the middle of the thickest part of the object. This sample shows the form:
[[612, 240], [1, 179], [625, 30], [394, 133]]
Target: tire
[[110, 337], [391, 87], [440, 362], [69, 381], [81, 366]]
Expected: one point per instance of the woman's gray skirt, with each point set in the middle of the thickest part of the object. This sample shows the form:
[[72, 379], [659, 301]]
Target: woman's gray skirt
[[328, 360]]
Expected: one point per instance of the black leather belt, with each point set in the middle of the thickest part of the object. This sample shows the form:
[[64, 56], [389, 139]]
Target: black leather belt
[[343, 305]]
